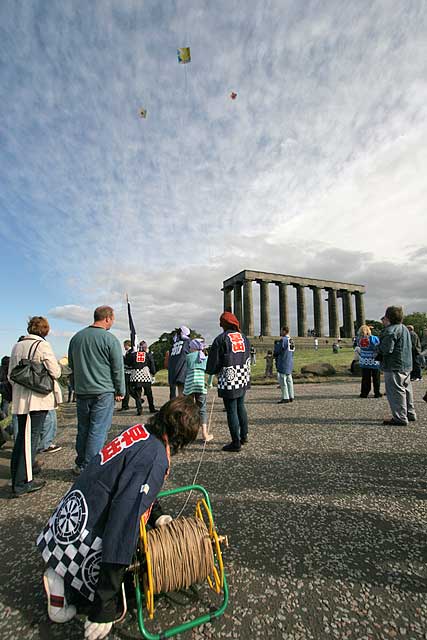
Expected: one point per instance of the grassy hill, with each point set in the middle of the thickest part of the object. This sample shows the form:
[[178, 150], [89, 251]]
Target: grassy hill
[[341, 361]]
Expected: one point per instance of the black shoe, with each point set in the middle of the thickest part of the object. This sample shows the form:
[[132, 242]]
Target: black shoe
[[362, 396], [32, 486], [139, 412], [153, 410], [283, 401], [396, 423], [243, 440], [378, 395], [231, 447], [412, 419], [124, 409], [291, 399]]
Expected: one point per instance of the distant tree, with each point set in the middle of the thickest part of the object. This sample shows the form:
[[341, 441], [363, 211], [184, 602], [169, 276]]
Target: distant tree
[[164, 343], [376, 326], [419, 321]]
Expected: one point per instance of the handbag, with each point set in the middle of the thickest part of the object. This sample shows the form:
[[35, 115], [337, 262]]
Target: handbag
[[32, 375]]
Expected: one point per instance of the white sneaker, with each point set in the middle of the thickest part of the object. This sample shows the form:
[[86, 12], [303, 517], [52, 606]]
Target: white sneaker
[[57, 608]]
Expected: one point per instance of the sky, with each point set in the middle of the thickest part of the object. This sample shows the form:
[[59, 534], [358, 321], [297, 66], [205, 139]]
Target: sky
[[317, 169]]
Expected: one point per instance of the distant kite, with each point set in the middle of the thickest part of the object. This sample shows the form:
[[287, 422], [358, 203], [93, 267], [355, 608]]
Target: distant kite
[[184, 56], [143, 113], [233, 95]]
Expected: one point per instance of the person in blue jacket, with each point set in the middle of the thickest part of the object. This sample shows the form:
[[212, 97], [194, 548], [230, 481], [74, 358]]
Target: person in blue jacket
[[284, 356], [177, 363], [90, 539], [369, 365]]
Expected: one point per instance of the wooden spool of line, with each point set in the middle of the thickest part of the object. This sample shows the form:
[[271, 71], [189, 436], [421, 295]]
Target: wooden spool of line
[[181, 554]]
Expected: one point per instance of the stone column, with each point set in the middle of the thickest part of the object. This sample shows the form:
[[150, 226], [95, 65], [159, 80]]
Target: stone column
[[228, 306], [248, 309], [360, 308], [283, 305], [301, 310], [238, 310], [334, 324], [347, 314], [317, 311], [265, 308]]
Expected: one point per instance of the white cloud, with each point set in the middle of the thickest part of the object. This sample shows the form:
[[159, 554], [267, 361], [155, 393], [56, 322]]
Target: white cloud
[[316, 169]]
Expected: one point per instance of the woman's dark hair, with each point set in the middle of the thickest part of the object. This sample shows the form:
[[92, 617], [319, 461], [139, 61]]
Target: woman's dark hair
[[394, 314], [179, 419]]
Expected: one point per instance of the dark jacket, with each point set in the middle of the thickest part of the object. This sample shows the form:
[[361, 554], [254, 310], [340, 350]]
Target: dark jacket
[[105, 504], [396, 348], [416, 343], [229, 358], [141, 366], [177, 364]]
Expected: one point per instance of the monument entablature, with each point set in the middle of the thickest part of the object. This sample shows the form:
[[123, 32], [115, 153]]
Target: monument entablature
[[242, 303]]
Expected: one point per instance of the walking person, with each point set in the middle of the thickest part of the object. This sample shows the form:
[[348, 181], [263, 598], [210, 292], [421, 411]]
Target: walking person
[[127, 345], [30, 406], [416, 374], [253, 355], [369, 365], [195, 383], [95, 357], [284, 355], [177, 362], [395, 351], [142, 369], [229, 359]]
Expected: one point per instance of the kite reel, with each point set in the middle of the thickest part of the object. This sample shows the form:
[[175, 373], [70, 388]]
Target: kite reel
[[176, 556]]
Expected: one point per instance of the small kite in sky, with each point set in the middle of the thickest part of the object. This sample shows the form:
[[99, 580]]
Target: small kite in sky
[[143, 113], [233, 95], [184, 56]]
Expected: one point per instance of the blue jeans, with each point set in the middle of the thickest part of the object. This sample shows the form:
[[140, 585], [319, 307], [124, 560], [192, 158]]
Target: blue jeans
[[237, 418], [48, 433], [94, 417]]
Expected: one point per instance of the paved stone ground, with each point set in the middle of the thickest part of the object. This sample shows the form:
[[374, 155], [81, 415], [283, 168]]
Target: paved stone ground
[[325, 510]]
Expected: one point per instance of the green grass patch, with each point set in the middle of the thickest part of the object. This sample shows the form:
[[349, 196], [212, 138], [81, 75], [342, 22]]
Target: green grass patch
[[341, 361]]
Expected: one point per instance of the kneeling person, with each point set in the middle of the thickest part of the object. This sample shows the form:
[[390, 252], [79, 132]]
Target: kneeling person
[[90, 539]]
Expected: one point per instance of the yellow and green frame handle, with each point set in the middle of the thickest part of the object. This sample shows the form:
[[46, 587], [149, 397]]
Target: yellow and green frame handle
[[190, 624]]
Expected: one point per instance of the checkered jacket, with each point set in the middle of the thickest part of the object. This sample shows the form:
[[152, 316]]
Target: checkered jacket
[[98, 519], [141, 365], [229, 359]]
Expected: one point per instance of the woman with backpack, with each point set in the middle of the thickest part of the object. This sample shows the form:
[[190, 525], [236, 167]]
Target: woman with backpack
[[30, 406]]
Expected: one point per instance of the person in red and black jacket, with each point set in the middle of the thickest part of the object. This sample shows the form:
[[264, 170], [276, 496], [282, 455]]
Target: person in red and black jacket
[[142, 368], [229, 358], [90, 539]]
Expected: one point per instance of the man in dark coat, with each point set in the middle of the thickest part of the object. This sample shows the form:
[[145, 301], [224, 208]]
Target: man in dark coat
[[416, 374]]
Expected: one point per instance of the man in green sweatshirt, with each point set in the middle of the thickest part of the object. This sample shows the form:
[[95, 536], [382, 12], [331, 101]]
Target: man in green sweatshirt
[[95, 357]]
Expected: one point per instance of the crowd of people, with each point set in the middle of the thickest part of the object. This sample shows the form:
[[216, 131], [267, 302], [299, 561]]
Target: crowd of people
[[117, 483]]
